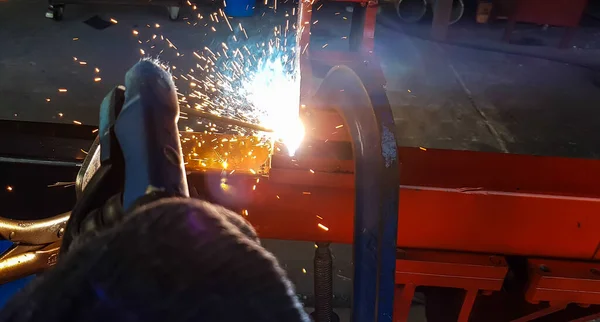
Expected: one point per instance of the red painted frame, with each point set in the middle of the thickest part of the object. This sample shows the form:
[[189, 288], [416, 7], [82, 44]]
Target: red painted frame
[[461, 201], [451, 200]]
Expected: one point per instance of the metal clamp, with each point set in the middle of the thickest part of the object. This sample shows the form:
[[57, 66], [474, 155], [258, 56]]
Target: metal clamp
[[36, 245]]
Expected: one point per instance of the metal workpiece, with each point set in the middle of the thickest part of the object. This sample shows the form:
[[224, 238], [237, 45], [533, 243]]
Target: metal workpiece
[[369, 119], [226, 120]]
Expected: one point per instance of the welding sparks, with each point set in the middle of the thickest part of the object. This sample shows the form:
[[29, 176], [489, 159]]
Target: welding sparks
[[64, 184], [113, 20], [62, 90], [325, 228], [97, 79], [77, 122], [276, 94], [249, 78], [9, 188]]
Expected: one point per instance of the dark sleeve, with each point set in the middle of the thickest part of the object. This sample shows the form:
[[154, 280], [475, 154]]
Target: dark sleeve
[[173, 260]]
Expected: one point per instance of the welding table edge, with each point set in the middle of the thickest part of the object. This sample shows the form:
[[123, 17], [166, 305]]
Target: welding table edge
[[561, 281], [450, 269]]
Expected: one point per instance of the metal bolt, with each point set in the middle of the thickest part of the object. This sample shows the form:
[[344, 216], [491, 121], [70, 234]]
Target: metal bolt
[[323, 287], [495, 261]]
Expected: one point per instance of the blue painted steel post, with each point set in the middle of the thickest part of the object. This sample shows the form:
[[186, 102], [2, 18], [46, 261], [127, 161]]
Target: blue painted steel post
[[369, 119]]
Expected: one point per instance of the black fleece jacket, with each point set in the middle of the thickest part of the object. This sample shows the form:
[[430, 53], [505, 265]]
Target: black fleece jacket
[[172, 260]]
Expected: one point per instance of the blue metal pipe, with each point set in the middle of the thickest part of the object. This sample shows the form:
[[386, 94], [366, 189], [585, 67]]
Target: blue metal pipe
[[371, 125]]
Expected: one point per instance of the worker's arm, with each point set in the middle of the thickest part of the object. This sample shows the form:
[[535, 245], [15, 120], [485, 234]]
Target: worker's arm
[[136, 248]]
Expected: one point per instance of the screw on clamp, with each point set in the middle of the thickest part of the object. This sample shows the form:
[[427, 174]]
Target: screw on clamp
[[323, 287]]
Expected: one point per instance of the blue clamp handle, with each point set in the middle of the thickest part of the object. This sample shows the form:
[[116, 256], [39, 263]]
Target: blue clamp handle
[[146, 129]]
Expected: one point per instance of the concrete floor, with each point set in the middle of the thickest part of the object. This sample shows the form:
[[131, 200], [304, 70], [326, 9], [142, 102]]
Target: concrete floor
[[442, 96], [462, 98]]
